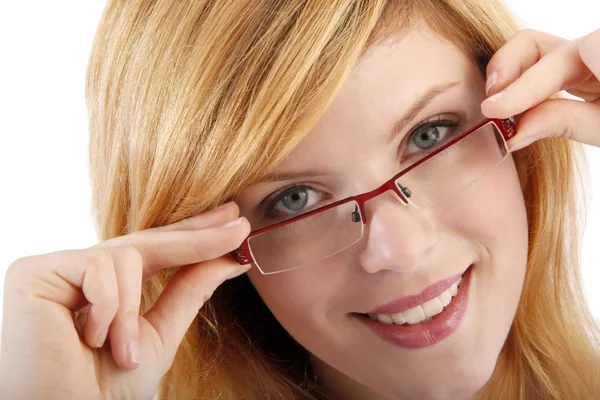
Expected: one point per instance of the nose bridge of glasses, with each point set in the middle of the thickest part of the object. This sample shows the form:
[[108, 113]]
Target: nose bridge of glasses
[[399, 192]]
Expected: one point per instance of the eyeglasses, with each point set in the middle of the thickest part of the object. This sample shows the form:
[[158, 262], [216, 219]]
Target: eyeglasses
[[436, 172]]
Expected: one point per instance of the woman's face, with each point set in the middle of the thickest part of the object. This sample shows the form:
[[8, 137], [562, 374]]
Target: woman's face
[[404, 249]]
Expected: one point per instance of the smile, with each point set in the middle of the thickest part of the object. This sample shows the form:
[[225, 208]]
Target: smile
[[422, 323], [423, 312]]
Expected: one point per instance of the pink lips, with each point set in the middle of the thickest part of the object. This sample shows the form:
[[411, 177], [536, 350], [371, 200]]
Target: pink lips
[[404, 303], [427, 333]]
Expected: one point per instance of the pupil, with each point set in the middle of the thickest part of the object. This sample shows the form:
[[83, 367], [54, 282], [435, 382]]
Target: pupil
[[295, 201], [428, 138]]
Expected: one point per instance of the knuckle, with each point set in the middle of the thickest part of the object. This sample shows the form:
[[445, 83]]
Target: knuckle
[[130, 256], [100, 262], [182, 224], [110, 292], [23, 270], [201, 293], [130, 314], [569, 129], [18, 264], [203, 253], [203, 248], [98, 258], [527, 33], [19, 268], [233, 211], [205, 296], [110, 303], [218, 243]]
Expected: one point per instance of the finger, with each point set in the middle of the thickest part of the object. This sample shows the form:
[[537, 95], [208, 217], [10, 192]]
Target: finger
[[519, 54], [80, 318], [570, 119], [99, 287], [589, 50], [71, 278], [124, 330], [218, 216], [558, 69], [187, 291], [591, 92], [160, 250]]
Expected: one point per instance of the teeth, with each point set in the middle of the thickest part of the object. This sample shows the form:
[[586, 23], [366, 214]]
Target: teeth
[[398, 318], [385, 318], [453, 289], [433, 307], [445, 298], [422, 313], [414, 315]]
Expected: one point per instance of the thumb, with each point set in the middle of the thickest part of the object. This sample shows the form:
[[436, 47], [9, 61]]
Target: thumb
[[570, 119], [589, 51], [186, 293]]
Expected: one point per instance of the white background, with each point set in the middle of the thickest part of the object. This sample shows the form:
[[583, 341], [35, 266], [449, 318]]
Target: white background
[[45, 198]]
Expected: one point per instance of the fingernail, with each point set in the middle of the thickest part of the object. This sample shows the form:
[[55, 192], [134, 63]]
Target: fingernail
[[526, 142], [491, 81], [133, 352], [496, 97], [232, 223], [101, 338], [239, 271]]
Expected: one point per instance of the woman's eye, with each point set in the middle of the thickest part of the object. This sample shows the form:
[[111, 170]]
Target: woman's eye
[[427, 138], [429, 135], [295, 200]]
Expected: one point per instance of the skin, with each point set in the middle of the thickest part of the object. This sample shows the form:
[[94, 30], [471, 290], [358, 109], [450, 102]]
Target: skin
[[68, 358], [403, 249]]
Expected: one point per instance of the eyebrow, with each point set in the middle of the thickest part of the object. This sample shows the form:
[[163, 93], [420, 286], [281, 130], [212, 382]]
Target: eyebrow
[[397, 128], [292, 175], [417, 106]]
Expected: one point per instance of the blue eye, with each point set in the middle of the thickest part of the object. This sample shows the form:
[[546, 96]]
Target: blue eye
[[296, 200], [292, 201], [429, 135]]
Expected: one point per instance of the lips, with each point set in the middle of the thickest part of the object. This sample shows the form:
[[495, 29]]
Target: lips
[[430, 292], [427, 333]]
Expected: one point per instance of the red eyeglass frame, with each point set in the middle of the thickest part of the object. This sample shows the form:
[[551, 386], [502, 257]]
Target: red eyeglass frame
[[243, 255]]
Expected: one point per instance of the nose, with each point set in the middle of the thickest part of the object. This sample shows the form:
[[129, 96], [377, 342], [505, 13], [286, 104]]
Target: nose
[[397, 237]]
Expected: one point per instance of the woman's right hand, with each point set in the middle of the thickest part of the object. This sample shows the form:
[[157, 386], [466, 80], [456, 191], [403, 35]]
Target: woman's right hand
[[109, 350]]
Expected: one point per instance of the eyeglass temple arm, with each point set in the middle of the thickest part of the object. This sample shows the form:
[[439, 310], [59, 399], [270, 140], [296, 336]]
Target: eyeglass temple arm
[[507, 126], [242, 254]]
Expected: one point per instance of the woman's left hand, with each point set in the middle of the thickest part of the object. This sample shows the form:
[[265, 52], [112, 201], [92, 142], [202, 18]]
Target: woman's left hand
[[531, 67]]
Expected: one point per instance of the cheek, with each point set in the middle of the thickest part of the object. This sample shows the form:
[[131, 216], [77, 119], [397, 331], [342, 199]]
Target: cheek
[[492, 215], [298, 299], [491, 212]]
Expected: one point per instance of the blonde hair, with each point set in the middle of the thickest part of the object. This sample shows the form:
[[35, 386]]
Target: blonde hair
[[189, 101]]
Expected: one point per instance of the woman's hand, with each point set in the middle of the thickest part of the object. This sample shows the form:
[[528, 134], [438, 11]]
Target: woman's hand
[[108, 350], [533, 66]]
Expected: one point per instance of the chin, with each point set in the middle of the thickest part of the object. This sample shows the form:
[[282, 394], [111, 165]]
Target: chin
[[464, 387], [467, 377]]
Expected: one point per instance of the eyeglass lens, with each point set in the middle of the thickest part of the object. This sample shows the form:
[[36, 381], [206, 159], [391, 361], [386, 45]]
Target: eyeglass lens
[[319, 236]]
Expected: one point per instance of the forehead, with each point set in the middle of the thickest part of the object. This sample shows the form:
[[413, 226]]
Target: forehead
[[382, 87]]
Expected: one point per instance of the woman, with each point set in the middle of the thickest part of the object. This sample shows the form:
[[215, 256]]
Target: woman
[[398, 249]]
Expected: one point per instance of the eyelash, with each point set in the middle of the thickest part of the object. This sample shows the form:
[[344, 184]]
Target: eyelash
[[272, 200], [275, 197]]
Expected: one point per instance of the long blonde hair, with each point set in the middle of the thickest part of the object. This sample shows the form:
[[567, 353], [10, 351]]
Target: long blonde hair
[[191, 100]]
